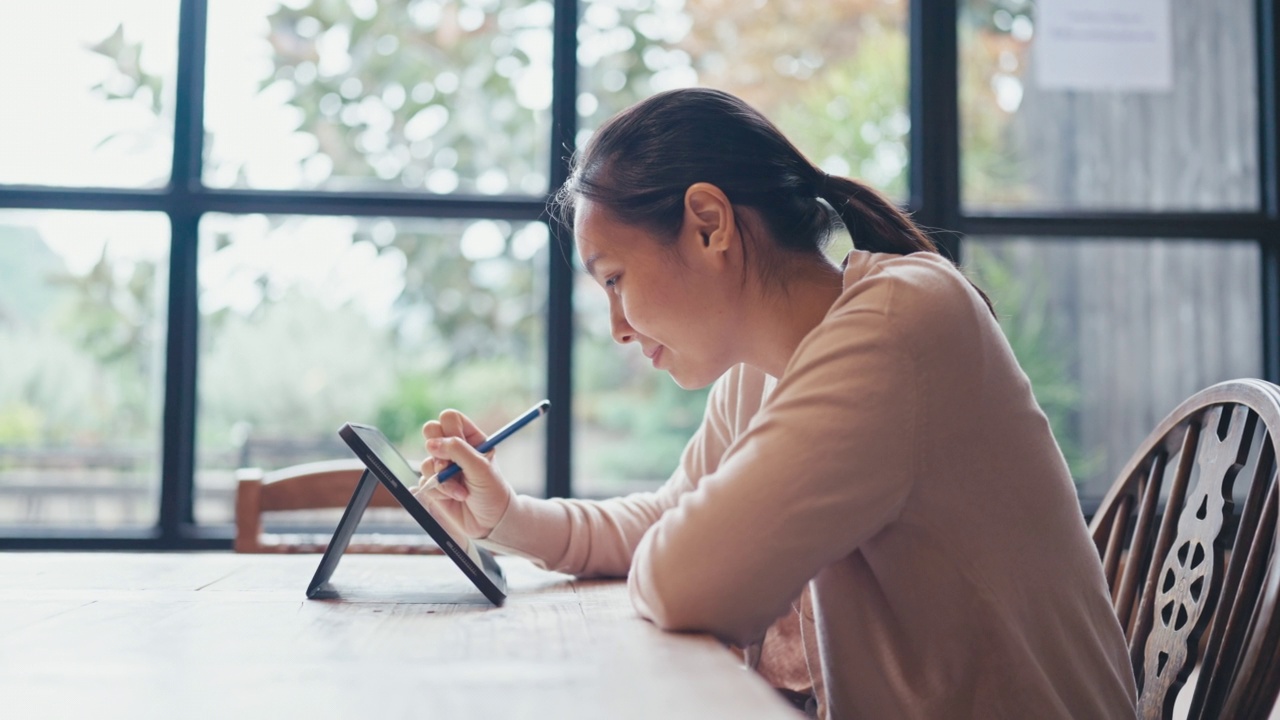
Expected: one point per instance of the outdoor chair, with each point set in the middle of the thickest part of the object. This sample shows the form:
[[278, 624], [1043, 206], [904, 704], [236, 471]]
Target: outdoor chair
[[1188, 539], [312, 486]]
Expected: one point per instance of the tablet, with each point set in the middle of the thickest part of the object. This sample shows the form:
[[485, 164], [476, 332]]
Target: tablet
[[387, 466]]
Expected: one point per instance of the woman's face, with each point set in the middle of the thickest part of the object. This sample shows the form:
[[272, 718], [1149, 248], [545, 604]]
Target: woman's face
[[668, 300]]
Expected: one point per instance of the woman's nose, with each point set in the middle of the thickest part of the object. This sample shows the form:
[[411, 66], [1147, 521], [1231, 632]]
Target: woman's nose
[[621, 330]]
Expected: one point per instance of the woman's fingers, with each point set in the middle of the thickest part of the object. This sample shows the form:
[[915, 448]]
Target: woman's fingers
[[454, 490], [474, 499], [451, 421], [447, 512], [433, 429], [459, 425], [457, 450], [435, 499]]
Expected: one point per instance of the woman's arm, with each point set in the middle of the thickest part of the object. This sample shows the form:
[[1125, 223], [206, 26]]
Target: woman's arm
[[588, 538], [598, 538], [824, 466]]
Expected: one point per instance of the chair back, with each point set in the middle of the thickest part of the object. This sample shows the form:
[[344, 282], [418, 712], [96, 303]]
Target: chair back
[[311, 486], [1194, 578]]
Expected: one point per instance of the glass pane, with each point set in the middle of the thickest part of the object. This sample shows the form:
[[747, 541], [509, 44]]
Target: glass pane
[[1043, 128], [88, 92], [83, 297], [832, 75], [310, 322], [429, 95], [1114, 334]]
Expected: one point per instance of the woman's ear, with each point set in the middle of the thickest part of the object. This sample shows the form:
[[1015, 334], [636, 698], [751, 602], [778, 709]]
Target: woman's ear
[[708, 217]]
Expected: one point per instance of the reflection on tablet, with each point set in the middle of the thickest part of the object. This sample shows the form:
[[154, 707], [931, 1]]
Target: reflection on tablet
[[408, 477], [387, 466]]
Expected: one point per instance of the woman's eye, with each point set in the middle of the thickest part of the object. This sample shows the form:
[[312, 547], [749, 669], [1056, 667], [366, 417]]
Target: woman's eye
[[611, 282]]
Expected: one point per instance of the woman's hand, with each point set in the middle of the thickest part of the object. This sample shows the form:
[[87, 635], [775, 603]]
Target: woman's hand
[[475, 499]]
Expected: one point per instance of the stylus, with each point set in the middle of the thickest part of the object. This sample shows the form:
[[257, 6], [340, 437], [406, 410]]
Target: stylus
[[505, 432]]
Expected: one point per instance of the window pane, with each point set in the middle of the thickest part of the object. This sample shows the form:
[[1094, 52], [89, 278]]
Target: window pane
[[429, 95], [1034, 136], [310, 322], [832, 75], [63, 63], [1114, 334], [83, 297]]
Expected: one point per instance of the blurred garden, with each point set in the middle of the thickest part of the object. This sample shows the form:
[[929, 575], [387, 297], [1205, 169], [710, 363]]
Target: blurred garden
[[311, 321]]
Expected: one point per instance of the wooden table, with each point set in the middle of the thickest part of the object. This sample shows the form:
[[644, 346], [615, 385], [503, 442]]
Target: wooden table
[[232, 636]]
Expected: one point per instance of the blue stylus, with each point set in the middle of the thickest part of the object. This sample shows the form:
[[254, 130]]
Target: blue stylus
[[507, 430]]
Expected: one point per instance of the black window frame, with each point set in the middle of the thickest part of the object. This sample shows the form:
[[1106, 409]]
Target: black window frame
[[934, 199]]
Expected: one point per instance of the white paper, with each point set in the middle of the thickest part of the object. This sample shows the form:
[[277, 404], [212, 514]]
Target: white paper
[[1103, 45]]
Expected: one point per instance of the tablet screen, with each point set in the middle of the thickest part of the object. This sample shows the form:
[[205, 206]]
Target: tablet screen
[[408, 477]]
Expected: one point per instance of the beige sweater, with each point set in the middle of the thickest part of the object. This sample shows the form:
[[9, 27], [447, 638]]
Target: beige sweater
[[900, 480]]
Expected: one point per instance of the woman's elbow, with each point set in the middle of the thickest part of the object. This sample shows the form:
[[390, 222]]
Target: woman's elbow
[[677, 606]]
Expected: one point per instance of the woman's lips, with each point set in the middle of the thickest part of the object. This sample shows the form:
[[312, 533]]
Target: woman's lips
[[656, 355]]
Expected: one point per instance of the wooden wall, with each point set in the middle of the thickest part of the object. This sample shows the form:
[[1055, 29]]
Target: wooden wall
[[1141, 325]]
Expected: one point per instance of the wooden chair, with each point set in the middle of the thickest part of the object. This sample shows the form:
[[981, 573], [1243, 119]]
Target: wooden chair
[[1195, 583], [311, 486]]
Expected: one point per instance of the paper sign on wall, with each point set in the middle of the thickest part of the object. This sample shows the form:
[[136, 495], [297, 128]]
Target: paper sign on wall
[[1103, 45]]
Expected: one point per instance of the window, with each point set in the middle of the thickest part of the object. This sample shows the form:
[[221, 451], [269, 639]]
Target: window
[[311, 321], [99, 111], [1117, 225], [238, 225], [1114, 334], [83, 334], [427, 96], [1033, 141]]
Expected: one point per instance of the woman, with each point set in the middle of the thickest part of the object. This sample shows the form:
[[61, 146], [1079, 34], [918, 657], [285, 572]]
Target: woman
[[874, 504]]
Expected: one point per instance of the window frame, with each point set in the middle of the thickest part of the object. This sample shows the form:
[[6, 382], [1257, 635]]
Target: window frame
[[935, 184], [934, 199]]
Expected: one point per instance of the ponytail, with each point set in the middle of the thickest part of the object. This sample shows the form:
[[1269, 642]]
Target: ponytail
[[875, 223], [639, 164]]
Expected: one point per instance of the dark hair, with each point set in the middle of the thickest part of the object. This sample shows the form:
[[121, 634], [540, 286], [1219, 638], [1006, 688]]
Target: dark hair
[[639, 164]]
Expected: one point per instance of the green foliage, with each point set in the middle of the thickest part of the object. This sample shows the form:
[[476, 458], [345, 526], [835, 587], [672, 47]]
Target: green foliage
[[995, 15], [477, 308], [855, 113], [636, 35], [414, 400], [20, 424], [129, 80], [296, 367], [992, 171], [111, 310], [53, 392], [490, 392], [434, 90], [26, 264], [635, 420], [463, 331], [424, 91], [656, 426], [81, 350]]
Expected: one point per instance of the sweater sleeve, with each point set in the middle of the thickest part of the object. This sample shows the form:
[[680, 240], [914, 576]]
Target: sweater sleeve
[[597, 538], [825, 465]]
